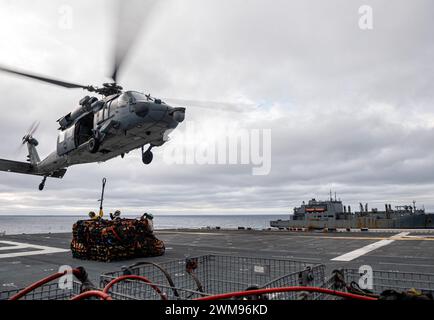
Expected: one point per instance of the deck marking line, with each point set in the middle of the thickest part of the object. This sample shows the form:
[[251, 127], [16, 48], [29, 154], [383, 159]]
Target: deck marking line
[[13, 247], [370, 247], [18, 245]]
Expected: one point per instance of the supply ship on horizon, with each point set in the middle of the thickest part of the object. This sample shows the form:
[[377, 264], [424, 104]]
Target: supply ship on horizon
[[332, 214]]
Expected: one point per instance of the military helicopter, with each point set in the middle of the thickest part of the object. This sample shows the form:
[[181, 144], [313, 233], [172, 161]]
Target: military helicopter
[[101, 128]]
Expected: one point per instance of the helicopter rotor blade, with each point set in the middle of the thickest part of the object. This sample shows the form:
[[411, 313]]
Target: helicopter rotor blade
[[19, 148], [214, 105], [33, 125], [131, 15], [34, 129], [60, 83], [30, 132]]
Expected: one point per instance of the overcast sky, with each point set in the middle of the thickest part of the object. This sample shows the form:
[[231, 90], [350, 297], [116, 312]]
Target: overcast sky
[[349, 110]]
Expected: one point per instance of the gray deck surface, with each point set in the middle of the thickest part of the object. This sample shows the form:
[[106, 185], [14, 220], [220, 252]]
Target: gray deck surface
[[412, 252]]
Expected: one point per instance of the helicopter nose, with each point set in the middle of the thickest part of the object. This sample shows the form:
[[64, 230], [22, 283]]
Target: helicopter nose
[[178, 114]]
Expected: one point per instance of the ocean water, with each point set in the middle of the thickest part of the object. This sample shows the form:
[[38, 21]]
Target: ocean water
[[56, 224]]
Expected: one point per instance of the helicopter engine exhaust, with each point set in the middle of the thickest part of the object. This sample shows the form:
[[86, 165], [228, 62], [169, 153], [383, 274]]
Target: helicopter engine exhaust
[[86, 104]]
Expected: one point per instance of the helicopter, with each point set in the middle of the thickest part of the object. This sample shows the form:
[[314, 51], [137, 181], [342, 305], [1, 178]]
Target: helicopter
[[100, 128]]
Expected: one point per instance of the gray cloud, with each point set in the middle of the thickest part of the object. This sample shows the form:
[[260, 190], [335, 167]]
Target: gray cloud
[[349, 110]]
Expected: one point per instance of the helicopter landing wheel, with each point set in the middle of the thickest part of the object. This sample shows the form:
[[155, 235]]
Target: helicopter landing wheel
[[42, 184], [147, 157], [93, 145]]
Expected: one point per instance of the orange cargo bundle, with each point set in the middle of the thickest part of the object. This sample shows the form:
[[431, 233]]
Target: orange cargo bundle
[[118, 239]]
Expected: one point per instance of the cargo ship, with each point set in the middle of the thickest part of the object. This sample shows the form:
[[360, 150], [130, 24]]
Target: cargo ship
[[332, 214]]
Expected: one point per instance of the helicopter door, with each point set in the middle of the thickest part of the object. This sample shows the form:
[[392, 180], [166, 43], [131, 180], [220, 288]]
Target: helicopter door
[[83, 129], [101, 115], [66, 141]]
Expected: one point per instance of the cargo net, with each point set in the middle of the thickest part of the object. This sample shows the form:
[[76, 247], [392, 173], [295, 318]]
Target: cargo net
[[50, 291], [76, 285], [214, 277], [384, 285], [112, 240], [210, 275]]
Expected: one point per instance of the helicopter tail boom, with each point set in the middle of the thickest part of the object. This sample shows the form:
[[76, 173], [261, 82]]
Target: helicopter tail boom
[[27, 168], [33, 156]]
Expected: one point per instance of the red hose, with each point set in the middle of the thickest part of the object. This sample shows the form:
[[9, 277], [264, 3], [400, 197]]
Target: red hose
[[39, 283], [104, 294], [286, 289], [92, 293], [134, 277]]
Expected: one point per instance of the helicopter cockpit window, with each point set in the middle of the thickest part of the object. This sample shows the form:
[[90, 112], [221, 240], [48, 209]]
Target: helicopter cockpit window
[[123, 100], [61, 136], [138, 96]]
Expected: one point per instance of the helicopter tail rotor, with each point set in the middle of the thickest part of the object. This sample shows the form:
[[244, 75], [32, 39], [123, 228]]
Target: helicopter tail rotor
[[31, 142], [28, 138]]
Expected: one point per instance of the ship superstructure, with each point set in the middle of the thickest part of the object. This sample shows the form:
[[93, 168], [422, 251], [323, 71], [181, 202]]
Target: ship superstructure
[[332, 214]]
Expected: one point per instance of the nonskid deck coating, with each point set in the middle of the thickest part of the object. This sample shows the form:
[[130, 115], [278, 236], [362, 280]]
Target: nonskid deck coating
[[413, 252]]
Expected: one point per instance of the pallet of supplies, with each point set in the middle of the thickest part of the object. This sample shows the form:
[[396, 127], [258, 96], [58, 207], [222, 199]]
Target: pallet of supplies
[[118, 239]]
